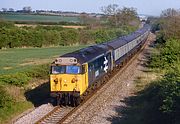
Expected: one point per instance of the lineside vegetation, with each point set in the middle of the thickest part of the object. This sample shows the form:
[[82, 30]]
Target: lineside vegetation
[[163, 95]]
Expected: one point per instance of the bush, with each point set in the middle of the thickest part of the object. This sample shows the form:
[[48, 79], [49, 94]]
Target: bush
[[86, 37], [168, 55], [69, 37], [168, 88], [104, 35], [6, 24], [5, 99], [164, 97], [18, 79], [169, 92], [22, 78], [41, 71], [160, 100]]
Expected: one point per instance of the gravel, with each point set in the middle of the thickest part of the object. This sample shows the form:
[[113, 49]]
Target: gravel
[[35, 115]]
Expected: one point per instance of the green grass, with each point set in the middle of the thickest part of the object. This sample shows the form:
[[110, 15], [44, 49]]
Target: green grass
[[10, 112], [37, 18], [19, 59]]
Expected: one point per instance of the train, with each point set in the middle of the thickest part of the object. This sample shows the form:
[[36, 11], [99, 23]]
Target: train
[[72, 74]]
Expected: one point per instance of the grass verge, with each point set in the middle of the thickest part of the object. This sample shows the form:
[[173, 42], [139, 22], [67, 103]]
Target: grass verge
[[15, 109]]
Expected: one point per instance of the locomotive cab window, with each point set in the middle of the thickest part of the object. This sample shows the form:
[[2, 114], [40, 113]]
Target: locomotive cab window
[[58, 69], [69, 69]]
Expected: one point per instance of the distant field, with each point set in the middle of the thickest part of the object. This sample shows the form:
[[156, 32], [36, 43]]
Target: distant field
[[15, 60], [37, 18], [64, 26]]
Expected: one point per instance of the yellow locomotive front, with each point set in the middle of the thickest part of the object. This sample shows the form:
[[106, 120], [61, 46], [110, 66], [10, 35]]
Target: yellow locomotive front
[[68, 80]]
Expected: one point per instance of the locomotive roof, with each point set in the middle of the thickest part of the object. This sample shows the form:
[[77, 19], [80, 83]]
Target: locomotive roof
[[89, 53]]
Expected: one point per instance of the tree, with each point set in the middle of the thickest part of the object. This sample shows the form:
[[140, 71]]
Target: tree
[[11, 10], [111, 11], [84, 17], [27, 9], [92, 22], [170, 23], [170, 12], [127, 16], [4, 9], [118, 17]]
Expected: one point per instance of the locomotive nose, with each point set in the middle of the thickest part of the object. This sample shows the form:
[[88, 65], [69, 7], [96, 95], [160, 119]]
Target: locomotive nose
[[65, 82]]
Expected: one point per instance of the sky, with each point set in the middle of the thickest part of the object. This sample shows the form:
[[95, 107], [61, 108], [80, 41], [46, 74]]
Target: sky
[[151, 7]]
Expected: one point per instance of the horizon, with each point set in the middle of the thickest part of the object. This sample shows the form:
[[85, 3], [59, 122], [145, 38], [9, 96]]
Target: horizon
[[153, 8]]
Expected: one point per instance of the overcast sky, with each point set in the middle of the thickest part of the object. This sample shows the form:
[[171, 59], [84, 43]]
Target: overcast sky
[[151, 7]]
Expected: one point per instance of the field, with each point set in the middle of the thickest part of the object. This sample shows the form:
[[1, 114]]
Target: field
[[37, 18], [64, 26], [19, 59]]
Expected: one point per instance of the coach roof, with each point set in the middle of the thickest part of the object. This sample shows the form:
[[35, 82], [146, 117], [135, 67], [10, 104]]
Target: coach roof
[[122, 40]]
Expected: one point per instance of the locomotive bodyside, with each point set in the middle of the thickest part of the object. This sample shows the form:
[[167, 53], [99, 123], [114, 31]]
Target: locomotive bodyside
[[100, 65]]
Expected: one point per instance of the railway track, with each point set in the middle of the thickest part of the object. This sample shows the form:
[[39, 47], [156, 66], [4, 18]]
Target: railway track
[[61, 114], [53, 117]]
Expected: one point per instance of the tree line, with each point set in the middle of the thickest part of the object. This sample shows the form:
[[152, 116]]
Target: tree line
[[12, 36]]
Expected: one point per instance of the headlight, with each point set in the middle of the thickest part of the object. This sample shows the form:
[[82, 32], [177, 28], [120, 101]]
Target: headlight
[[74, 80], [56, 81]]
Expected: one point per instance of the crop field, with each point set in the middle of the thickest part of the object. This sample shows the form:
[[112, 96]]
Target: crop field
[[19, 59], [64, 26], [38, 18]]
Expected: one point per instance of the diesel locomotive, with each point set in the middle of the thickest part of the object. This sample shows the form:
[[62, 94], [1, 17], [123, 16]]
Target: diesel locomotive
[[73, 73]]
